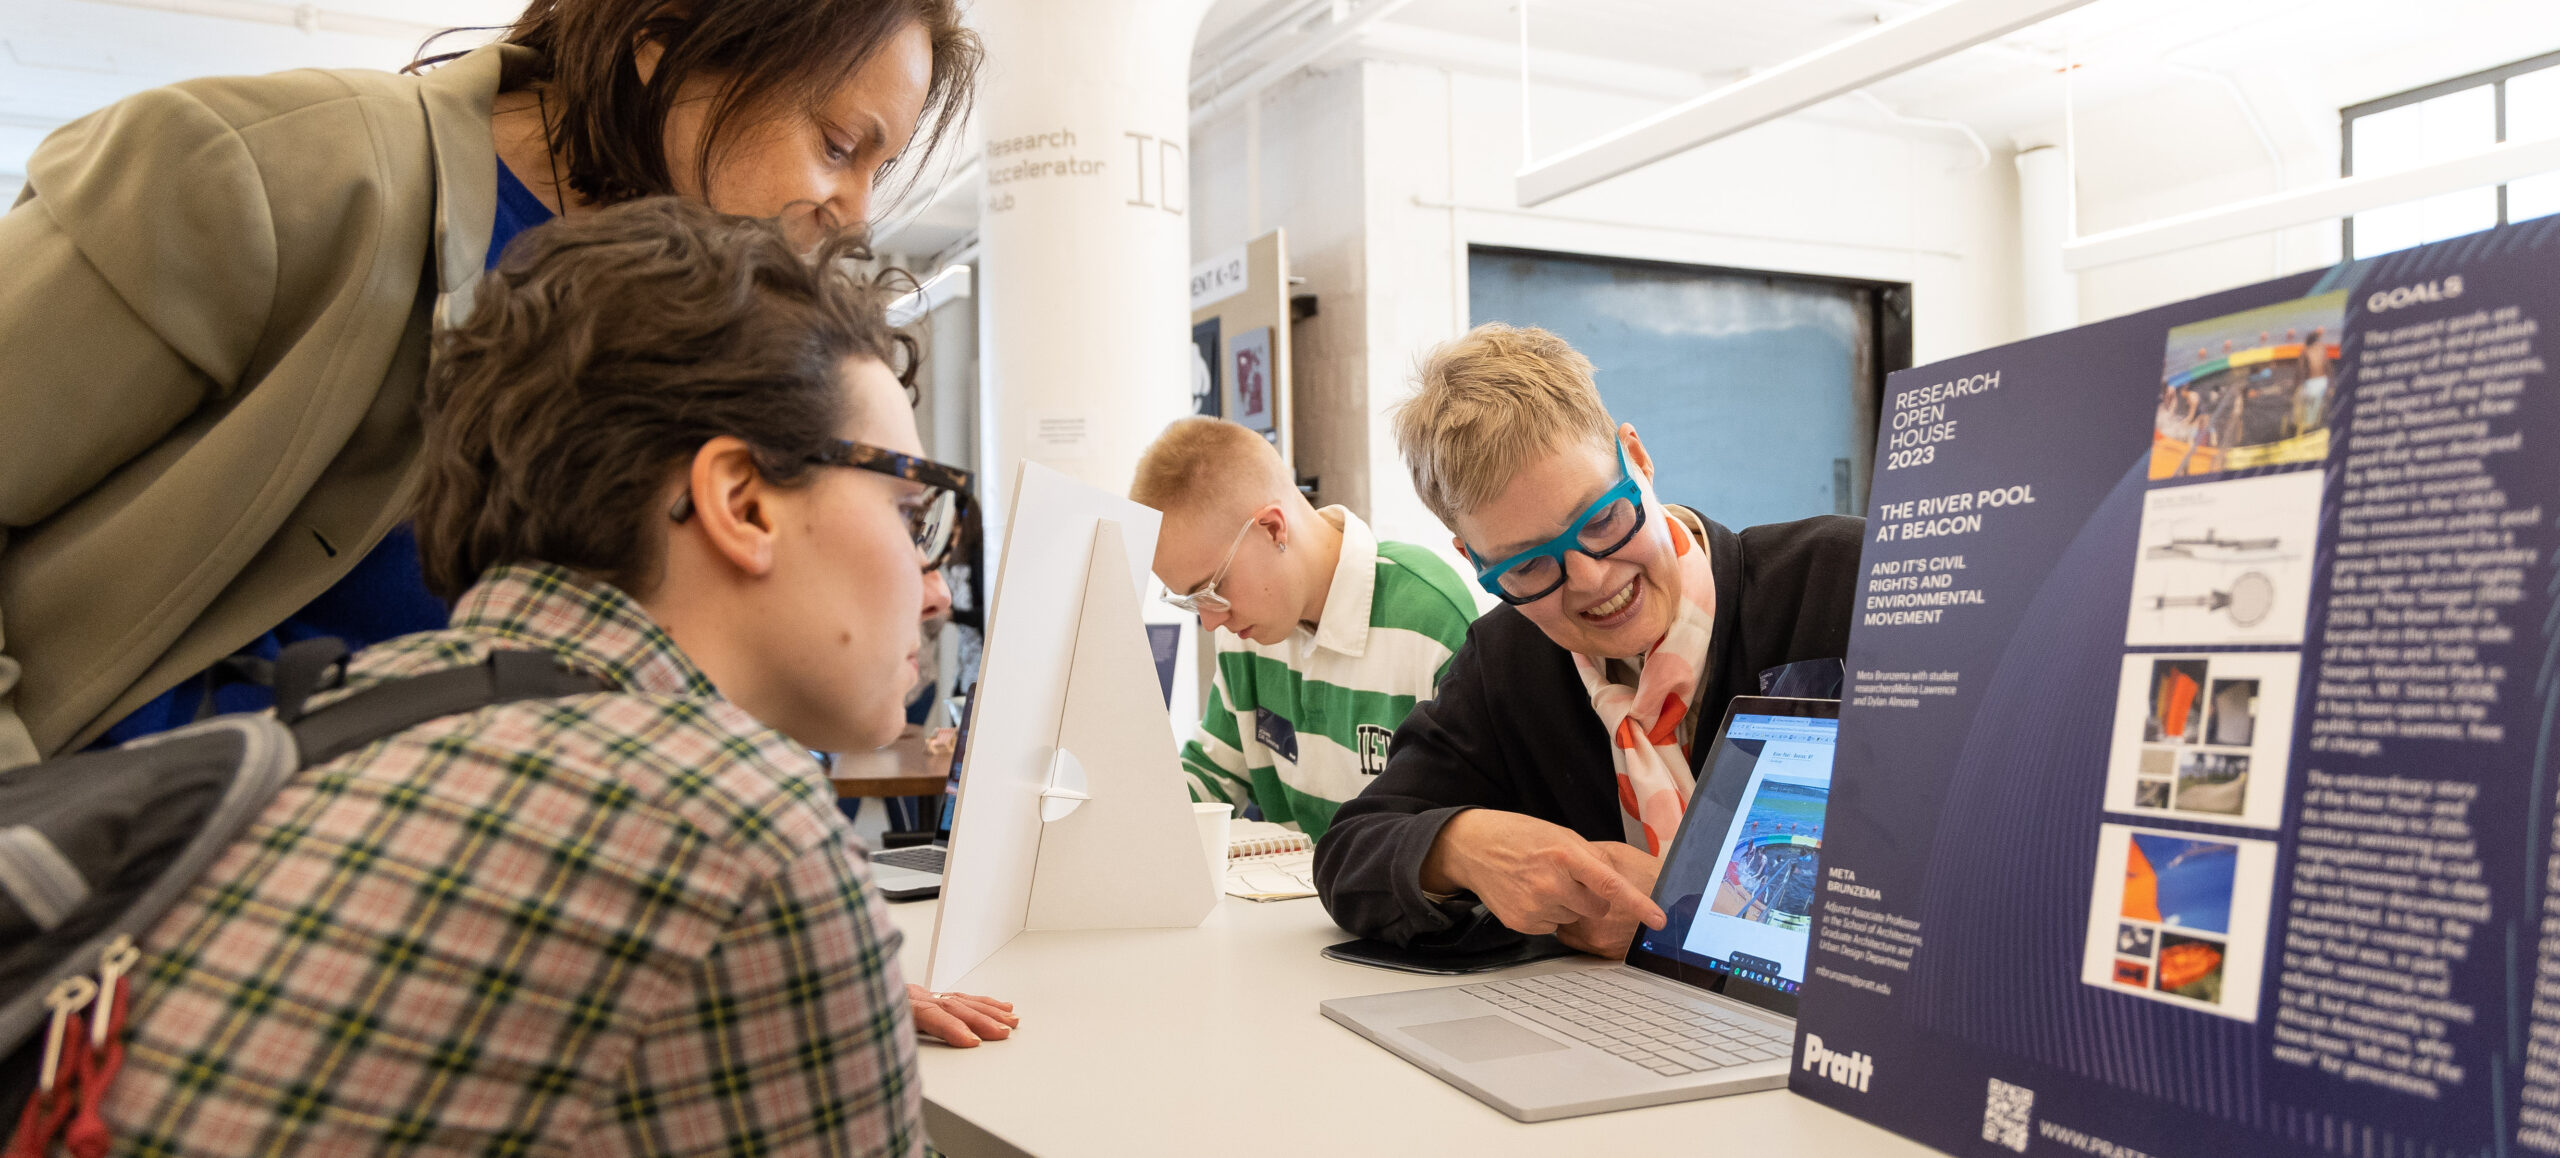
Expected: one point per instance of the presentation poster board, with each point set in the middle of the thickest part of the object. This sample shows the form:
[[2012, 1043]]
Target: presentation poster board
[[2194, 793], [1240, 338]]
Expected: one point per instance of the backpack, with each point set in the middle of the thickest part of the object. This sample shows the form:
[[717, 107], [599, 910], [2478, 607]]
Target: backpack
[[96, 846]]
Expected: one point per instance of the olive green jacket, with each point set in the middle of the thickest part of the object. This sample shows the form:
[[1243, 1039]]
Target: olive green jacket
[[215, 305]]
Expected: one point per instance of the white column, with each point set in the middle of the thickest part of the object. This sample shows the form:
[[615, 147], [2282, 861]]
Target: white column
[[2051, 292], [1085, 247]]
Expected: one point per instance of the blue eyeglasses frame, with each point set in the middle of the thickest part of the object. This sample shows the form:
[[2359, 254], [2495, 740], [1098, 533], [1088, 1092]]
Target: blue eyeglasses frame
[[1490, 577]]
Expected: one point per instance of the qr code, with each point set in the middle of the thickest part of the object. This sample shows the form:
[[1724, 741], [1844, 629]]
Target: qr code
[[2005, 1115]]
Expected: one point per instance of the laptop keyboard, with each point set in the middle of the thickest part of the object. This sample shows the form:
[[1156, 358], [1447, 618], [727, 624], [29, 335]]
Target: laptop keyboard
[[1631, 1020], [923, 858]]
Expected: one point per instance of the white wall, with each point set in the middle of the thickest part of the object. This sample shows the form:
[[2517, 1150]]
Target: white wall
[[1430, 153]]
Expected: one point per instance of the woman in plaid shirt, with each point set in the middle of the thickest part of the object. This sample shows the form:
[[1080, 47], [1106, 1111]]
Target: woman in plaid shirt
[[672, 452]]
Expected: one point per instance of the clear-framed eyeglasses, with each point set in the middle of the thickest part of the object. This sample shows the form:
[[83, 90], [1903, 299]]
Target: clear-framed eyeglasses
[[1206, 597]]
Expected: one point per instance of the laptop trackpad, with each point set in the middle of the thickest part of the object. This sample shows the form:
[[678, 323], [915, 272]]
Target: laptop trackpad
[[1477, 1039]]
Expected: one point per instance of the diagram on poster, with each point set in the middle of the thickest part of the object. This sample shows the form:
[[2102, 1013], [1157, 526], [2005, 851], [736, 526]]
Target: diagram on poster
[[2248, 389], [2180, 917], [2225, 562], [2204, 737]]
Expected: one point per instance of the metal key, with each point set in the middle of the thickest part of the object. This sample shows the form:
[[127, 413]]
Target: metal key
[[113, 963], [67, 998]]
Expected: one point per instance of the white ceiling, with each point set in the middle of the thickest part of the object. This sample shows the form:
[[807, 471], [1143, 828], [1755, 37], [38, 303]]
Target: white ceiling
[[2176, 103], [2323, 53], [2294, 61]]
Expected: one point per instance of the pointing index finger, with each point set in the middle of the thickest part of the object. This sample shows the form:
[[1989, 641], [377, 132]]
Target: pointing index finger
[[1603, 879]]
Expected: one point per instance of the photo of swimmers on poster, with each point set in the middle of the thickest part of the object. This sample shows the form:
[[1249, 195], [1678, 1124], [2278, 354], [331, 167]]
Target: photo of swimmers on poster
[[2249, 389]]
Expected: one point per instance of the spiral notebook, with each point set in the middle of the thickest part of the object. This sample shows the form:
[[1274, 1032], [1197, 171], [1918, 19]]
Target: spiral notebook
[[1266, 862]]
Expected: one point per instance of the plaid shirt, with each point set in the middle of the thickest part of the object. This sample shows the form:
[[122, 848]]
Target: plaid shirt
[[622, 923]]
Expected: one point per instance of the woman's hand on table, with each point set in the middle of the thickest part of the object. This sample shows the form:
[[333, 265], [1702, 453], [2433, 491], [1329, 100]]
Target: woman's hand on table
[[961, 1019]]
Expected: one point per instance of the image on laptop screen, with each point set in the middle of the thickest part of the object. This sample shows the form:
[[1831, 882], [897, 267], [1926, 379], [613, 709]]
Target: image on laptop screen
[[965, 705], [1742, 878]]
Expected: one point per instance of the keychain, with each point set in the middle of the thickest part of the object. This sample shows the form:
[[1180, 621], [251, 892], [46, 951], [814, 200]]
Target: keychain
[[66, 1053], [87, 1136]]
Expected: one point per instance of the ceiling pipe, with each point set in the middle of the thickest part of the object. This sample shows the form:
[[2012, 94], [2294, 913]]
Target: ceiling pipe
[[1315, 48], [2049, 291], [1981, 150], [1236, 47], [2016, 46], [1482, 56], [2257, 127]]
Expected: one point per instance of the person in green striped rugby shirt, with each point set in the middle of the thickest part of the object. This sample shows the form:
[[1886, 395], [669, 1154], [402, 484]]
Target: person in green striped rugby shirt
[[1326, 635]]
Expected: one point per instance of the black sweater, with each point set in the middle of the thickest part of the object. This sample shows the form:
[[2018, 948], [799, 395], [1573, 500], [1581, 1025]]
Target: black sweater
[[1512, 728]]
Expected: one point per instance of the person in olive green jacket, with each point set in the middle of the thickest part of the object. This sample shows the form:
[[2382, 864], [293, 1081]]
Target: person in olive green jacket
[[216, 300]]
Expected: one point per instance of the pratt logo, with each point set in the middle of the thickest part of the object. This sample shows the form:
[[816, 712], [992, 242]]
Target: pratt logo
[[1848, 1069], [2440, 290]]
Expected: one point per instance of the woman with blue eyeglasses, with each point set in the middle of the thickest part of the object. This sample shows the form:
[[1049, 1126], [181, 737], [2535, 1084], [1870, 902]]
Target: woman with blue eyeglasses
[[1548, 777]]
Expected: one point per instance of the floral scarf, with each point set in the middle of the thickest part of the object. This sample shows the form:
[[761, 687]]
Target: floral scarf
[[1644, 721]]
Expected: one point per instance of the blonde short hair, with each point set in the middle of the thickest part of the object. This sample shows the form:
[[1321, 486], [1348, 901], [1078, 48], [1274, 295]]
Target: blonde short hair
[[1487, 405], [1207, 465]]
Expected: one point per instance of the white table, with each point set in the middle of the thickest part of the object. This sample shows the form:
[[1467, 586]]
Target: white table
[[1208, 1041]]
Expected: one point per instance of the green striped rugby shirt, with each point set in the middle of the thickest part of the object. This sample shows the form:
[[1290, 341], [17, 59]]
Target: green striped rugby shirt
[[1299, 727]]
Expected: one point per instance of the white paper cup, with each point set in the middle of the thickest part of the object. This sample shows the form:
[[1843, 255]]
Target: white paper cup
[[1213, 820]]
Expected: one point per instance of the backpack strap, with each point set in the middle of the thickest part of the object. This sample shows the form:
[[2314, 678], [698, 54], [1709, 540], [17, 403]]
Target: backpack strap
[[231, 671], [306, 668], [390, 708], [102, 843]]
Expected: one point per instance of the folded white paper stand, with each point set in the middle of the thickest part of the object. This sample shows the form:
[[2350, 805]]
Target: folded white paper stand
[[1073, 812]]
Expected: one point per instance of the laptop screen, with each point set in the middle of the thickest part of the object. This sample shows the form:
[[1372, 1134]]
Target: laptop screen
[[1740, 881], [963, 710]]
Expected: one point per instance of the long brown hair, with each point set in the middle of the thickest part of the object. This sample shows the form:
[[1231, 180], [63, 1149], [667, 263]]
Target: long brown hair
[[602, 353], [609, 127]]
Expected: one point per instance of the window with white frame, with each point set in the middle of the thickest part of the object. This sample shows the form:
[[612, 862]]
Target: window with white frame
[[2515, 102]]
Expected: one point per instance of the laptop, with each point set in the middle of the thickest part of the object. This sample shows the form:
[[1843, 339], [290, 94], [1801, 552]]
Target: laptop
[[915, 873], [1703, 1007]]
